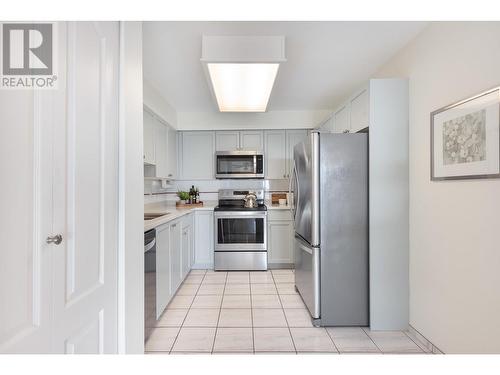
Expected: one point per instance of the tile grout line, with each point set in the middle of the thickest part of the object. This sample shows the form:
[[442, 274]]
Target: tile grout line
[[372, 340], [331, 338], [187, 313], [407, 335], [251, 313], [220, 311], [283, 310]]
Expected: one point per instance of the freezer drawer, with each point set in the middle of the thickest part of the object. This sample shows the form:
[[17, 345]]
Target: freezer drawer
[[307, 278]]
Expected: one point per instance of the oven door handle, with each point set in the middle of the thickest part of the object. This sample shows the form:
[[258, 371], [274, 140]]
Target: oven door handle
[[242, 214]]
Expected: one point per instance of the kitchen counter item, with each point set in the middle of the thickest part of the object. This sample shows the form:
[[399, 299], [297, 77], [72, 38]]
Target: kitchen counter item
[[251, 200], [275, 197]]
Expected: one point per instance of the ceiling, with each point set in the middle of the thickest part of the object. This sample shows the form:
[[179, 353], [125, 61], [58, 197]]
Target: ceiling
[[325, 60]]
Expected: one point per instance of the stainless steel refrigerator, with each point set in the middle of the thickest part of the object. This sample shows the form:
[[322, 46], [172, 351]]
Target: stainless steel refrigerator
[[331, 227]]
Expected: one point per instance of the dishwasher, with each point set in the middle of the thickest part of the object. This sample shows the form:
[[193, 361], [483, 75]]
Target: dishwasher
[[149, 282]]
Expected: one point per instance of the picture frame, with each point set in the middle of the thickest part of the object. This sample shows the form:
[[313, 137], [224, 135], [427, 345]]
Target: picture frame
[[465, 138]]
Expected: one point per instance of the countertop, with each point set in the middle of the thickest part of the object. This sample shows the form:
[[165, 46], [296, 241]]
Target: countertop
[[174, 212], [278, 207]]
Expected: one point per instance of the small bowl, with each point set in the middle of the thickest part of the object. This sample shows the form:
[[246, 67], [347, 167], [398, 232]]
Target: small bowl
[[282, 202]]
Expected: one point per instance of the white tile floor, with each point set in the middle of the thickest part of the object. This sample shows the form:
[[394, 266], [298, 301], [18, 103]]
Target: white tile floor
[[257, 312]]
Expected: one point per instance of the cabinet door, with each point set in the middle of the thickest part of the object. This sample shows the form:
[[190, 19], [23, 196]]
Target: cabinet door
[[197, 155], [280, 249], [293, 137], [341, 119], [360, 111], [227, 141], [175, 255], [187, 238], [252, 140], [204, 239], [275, 154], [163, 284], [171, 152], [149, 131], [160, 142]]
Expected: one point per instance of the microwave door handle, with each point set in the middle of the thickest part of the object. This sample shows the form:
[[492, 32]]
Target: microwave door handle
[[255, 164]]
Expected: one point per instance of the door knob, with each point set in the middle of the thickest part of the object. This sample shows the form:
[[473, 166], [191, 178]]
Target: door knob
[[57, 239]]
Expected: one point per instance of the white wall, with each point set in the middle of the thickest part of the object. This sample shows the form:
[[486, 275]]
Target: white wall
[[131, 224], [454, 225], [215, 120], [157, 103]]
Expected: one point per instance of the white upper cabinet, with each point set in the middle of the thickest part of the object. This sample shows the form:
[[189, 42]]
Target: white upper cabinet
[[149, 134], [360, 111], [227, 141], [171, 171], [353, 115], [293, 137], [275, 154], [341, 120], [252, 140], [239, 140], [160, 147], [197, 149], [328, 125]]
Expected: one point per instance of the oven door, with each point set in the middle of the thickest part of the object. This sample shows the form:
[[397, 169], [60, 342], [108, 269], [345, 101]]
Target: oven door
[[240, 231], [239, 164]]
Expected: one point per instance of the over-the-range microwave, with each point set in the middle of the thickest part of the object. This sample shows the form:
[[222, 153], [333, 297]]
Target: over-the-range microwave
[[239, 164]]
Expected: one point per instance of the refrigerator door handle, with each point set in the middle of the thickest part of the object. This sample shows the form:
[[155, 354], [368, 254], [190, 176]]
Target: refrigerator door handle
[[296, 194]]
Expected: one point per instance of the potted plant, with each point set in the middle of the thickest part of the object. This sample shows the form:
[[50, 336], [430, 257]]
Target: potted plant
[[183, 196]]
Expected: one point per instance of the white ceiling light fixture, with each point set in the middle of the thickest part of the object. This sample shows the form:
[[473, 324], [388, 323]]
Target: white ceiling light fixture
[[242, 69]]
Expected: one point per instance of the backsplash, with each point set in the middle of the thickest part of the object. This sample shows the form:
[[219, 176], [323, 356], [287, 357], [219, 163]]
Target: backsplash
[[154, 192]]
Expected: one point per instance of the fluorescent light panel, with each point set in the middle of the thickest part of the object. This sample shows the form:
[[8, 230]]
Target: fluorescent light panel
[[244, 87]]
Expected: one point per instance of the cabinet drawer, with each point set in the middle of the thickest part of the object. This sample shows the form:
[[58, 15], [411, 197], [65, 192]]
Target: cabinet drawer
[[279, 215]]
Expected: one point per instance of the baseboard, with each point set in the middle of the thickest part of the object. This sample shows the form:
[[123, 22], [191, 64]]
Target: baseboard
[[202, 266], [421, 341], [277, 266]]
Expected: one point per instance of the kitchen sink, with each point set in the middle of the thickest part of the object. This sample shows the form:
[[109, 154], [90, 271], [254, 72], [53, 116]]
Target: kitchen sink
[[155, 216]]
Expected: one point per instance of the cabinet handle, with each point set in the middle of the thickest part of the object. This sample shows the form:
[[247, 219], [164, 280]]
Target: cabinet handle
[[170, 175], [173, 225]]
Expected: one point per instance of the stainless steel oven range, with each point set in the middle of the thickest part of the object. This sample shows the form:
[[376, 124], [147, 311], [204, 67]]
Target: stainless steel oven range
[[240, 231]]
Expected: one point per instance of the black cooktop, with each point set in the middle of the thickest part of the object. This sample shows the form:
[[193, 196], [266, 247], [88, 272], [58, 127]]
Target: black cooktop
[[239, 208]]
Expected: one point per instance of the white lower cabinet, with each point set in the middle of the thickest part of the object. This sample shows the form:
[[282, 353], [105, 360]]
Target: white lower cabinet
[[163, 284], [175, 254], [203, 239], [280, 238], [187, 257]]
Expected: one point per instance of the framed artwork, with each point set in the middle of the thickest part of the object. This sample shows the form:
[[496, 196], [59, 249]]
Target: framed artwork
[[465, 138]]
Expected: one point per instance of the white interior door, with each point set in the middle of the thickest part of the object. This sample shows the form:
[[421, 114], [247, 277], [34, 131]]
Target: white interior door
[[25, 221], [59, 149], [86, 193]]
